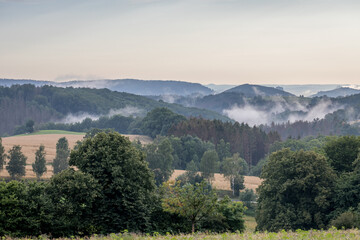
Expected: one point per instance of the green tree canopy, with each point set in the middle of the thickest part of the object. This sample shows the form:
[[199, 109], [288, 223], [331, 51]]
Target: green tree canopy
[[194, 202], [39, 167], [342, 152], [126, 183], [17, 162], [347, 190], [61, 161], [22, 208], [160, 159], [72, 196], [233, 169], [296, 191], [209, 164], [223, 150], [29, 125], [159, 121]]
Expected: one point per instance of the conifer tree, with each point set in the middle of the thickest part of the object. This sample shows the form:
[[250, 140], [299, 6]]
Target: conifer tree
[[61, 161], [39, 166], [17, 162], [2, 155]]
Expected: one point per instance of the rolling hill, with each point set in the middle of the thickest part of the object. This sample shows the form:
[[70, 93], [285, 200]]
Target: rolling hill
[[338, 92], [19, 103], [248, 90], [134, 86]]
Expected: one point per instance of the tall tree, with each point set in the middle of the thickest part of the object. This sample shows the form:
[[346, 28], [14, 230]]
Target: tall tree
[[347, 190], [17, 162], [126, 183], [194, 202], [232, 169], [342, 152], [160, 159], [2, 155], [223, 149], [60, 162], [209, 164], [39, 167], [296, 191]]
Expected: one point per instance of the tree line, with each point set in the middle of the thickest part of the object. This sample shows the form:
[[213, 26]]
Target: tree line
[[113, 190], [200, 159], [251, 143], [17, 160]]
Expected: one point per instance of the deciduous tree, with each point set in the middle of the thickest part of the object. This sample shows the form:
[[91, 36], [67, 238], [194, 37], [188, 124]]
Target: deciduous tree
[[342, 152], [160, 159], [296, 191], [194, 202], [126, 183], [232, 168], [209, 164]]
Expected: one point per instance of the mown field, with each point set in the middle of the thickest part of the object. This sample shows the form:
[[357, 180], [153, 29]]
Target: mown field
[[31, 142], [221, 183]]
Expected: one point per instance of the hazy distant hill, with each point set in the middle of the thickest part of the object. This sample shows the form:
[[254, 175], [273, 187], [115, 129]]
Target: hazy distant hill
[[249, 90], [9, 82], [218, 88], [134, 86], [338, 92]]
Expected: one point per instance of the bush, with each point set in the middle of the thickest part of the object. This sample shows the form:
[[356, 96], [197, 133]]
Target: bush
[[346, 220]]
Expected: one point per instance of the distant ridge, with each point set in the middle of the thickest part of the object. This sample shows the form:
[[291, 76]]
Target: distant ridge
[[338, 92], [250, 91], [9, 82], [134, 86]]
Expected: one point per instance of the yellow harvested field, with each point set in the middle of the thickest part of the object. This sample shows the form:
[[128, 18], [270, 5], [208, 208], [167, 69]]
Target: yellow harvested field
[[30, 144], [221, 183]]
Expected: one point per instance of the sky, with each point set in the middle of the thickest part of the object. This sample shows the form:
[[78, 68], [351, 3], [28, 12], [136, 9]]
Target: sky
[[203, 41]]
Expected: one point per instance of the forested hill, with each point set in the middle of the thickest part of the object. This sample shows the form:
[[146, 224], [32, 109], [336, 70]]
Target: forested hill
[[248, 90], [134, 86], [20, 103]]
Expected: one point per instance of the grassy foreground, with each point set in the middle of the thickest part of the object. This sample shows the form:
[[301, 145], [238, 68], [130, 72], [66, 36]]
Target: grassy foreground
[[299, 234]]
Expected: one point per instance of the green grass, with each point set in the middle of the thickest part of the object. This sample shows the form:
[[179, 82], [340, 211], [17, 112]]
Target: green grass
[[331, 234], [42, 132], [250, 224]]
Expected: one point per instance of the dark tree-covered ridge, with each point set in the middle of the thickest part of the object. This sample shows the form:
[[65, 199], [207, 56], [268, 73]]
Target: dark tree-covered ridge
[[20, 103]]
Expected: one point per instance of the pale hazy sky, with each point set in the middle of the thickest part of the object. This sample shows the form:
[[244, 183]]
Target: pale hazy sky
[[205, 41]]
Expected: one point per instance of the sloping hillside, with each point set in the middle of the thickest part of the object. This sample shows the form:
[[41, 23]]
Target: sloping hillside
[[248, 90], [20, 103], [338, 92], [134, 86]]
